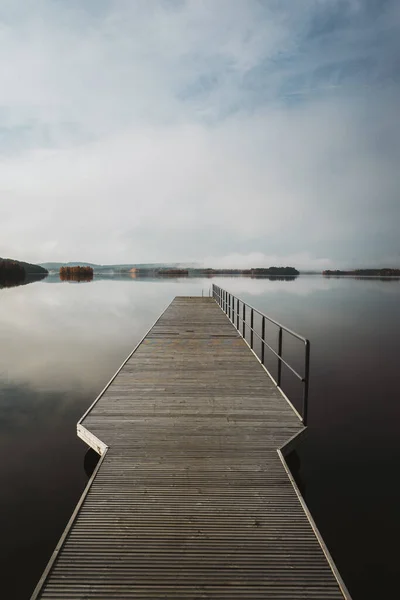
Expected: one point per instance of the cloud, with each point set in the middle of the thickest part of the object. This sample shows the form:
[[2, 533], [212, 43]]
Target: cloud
[[181, 130]]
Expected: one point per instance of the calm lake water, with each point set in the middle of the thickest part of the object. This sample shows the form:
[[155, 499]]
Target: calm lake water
[[61, 342]]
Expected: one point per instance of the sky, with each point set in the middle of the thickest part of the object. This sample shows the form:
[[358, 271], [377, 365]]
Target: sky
[[225, 132]]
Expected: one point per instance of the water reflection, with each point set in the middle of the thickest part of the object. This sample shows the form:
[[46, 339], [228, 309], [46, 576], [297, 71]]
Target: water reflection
[[10, 283], [90, 462], [363, 277], [60, 344], [60, 336], [293, 461], [280, 277]]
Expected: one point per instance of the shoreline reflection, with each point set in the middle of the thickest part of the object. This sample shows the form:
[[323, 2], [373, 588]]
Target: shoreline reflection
[[11, 283]]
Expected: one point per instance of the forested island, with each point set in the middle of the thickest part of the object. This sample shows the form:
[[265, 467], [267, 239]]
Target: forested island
[[385, 272], [15, 272], [77, 273], [276, 271]]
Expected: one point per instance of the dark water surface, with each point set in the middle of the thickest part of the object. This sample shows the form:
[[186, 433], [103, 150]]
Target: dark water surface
[[61, 342]]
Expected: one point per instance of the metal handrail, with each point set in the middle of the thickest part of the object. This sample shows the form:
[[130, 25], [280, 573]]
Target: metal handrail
[[228, 302]]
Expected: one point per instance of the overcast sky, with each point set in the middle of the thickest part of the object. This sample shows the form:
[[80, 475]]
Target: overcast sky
[[232, 132]]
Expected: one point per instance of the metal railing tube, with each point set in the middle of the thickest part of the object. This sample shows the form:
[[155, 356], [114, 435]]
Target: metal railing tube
[[280, 357], [262, 340], [306, 381]]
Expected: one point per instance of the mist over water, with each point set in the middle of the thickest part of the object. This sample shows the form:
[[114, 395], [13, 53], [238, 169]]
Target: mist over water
[[61, 342]]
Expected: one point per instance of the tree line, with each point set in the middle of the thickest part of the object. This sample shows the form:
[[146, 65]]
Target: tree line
[[11, 272], [385, 272]]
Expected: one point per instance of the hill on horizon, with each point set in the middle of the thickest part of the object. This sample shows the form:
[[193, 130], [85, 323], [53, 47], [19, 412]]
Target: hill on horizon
[[125, 267], [30, 268], [116, 267]]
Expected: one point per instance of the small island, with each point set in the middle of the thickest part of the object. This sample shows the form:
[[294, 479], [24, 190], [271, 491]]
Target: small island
[[76, 274], [275, 272]]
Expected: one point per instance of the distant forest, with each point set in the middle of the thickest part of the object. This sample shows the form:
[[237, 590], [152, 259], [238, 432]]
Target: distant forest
[[386, 272], [16, 272], [270, 272], [76, 273]]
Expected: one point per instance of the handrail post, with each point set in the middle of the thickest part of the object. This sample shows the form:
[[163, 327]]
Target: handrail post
[[244, 321], [251, 328], [237, 314], [280, 356], [306, 382], [263, 340]]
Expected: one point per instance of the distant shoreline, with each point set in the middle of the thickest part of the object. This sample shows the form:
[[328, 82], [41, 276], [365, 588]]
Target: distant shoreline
[[384, 272]]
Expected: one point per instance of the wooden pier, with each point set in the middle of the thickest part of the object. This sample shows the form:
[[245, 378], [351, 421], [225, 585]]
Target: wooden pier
[[191, 497]]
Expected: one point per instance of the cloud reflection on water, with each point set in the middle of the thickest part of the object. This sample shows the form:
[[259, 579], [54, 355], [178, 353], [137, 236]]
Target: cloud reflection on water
[[54, 337]]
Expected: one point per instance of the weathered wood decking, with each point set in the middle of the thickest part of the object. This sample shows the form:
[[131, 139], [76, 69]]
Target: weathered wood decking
[[191, 498]]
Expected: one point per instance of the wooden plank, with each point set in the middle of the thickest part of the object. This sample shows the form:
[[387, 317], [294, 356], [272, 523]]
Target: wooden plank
[[192, 498]]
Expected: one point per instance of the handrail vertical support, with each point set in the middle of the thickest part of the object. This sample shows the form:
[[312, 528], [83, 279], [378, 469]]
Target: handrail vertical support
[[306, 381], [280, 356], [237, 314], [251, 328], [244, 321], [263, 340]]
